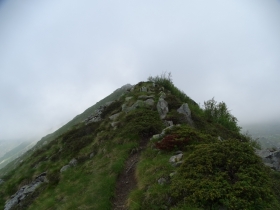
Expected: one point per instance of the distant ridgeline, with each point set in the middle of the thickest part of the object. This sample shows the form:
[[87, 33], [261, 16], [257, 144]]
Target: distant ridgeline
[[147, 146]]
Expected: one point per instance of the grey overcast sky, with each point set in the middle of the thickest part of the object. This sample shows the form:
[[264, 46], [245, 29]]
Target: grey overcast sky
[[59, 57]]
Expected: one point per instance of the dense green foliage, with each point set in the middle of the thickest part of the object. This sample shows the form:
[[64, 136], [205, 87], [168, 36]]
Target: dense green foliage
[[219, 113], [226, 174]]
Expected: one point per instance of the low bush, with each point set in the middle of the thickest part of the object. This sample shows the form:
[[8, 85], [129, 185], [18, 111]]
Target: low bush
[[226, 174], [171, 142]]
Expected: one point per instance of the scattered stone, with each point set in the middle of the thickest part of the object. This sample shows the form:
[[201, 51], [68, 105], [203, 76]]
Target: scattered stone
[[73, 162], [165, 129], [162, 95], [156, 136], [114, 124], [150, 102], [143, 89], [146, 97], [24, 191], [176, 158], [162, 181], [185, 110], [162, 108], [96, 116], [137, 104], [124, 107], [172, 174], [91, 155], [168, 123], [114, 116], [64, 168]]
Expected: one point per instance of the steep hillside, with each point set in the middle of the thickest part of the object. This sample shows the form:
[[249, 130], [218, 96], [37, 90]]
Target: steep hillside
[[76, 120], [152, 148]]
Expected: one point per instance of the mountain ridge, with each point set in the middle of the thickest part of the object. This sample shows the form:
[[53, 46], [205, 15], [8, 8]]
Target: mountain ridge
[[180, 155]]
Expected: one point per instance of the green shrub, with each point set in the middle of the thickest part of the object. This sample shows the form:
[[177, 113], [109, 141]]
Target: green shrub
[[143, 122], [226, 174], [219, 113], [171, 142]]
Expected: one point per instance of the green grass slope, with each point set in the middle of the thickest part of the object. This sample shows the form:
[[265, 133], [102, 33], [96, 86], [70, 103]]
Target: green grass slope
[[219, 169]]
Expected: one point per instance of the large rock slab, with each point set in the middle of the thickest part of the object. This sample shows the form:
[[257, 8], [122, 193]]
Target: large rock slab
[[185, 110], [24, 191], [162, 107]]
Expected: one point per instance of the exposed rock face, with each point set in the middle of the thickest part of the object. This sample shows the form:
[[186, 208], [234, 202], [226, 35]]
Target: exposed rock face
[[114, 116], [96, 116], [162, 108], [146, 97], [150, 102], [143, 89], [271, 159], [185, 110], [23, 192], [137, 104]]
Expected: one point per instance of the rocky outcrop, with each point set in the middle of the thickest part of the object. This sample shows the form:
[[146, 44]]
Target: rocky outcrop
[[1, 181], [150, 102], [96, 116], [143, 89], [185, 110], [72, 163], [162, 107], [24, 191], [270, 158], [114, 116], [143, 97]]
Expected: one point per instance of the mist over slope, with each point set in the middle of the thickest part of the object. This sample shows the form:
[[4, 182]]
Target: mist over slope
[[267, 133], [147, 146]]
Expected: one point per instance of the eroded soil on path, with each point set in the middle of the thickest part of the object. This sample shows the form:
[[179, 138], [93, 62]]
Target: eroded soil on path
[[126, 181]]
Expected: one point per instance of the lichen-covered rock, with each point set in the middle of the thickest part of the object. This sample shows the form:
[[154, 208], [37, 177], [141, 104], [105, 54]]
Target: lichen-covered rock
[[143, 89], [146, 97], [162, 107], [114, 116], [73, 162], [150, 102], [162, 181], [24, 191], [64, 168], [176, 158], [185, 110]]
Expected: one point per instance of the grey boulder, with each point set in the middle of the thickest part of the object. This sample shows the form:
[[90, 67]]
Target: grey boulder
[[162, 107], [185, 110]]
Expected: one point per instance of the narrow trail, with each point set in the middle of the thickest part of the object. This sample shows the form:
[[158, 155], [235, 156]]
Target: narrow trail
[[127, 181]]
